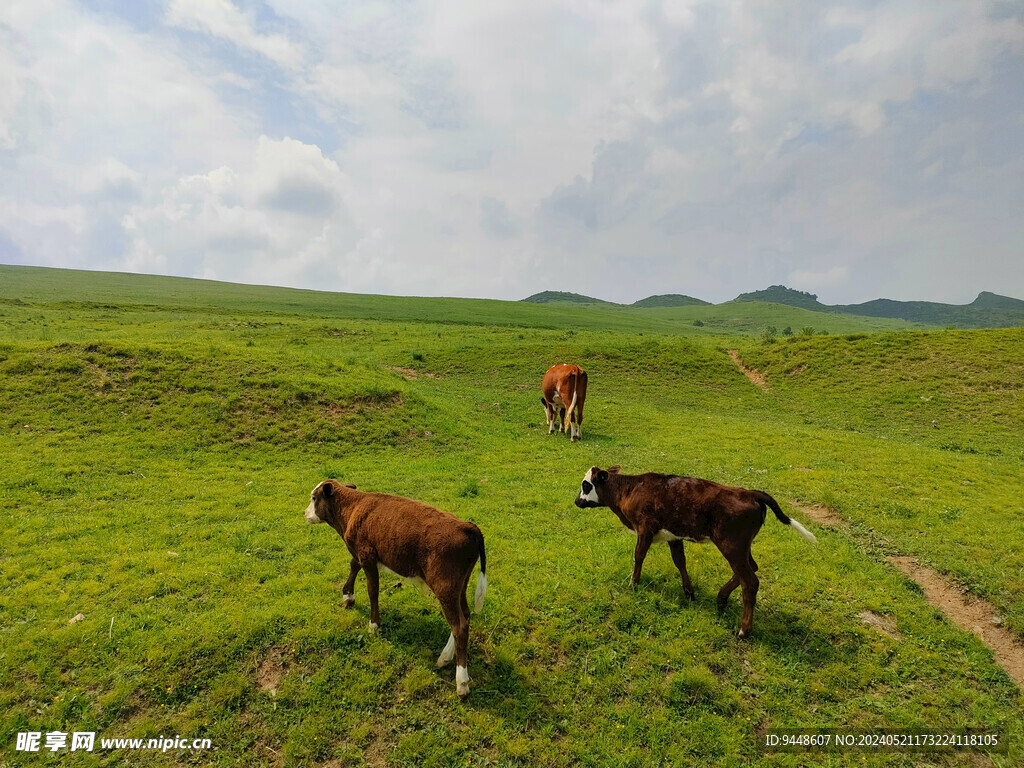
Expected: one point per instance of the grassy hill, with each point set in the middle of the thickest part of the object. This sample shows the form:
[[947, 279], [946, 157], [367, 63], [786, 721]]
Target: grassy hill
[[160, 439], [780, 294], [988, 310], [670, 300], [550, 297]]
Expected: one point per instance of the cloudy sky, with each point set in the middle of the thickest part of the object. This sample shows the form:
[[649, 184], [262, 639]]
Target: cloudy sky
[[465, 148]]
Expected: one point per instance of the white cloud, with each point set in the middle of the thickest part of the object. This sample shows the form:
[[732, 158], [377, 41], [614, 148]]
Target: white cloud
[[277, 217], [450, 147], [222, 19]]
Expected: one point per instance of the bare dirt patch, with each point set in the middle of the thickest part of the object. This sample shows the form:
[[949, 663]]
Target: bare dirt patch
[[968, 612], [822, 516], [755, 376], [883, 624], [411, 374], [271, 670]]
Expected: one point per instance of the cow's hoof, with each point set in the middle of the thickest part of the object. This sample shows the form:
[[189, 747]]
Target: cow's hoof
[[462, 682], [347, 601], [722, 605], [690, 595], [373, 628], [744, 633]]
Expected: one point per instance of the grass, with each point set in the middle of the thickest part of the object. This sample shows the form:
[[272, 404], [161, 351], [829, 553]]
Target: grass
[[160, 441]]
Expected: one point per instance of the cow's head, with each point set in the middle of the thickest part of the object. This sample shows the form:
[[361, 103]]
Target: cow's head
[[593, 491], [324, 503]]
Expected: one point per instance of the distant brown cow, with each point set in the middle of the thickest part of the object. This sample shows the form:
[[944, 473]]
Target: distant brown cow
[[565, 388], [424, 546], [675, 509]]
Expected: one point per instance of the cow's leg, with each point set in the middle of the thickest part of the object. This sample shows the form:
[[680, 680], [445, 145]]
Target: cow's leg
[[451, 606], [743, 572], [549, 414], [373, 588], [449, 650], [643, 543], [561, 420], [348, 592], [679, 558], [726, 590]]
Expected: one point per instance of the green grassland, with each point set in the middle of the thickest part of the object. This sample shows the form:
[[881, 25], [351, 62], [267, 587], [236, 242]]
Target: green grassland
[[160, 438]]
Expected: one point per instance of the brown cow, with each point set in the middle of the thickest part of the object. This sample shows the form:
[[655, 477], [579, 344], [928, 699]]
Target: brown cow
[[675, 509], [565, 388], [424, 546]]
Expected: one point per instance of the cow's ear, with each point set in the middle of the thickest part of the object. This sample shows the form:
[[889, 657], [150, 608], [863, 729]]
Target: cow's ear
[[328, 490], [614, 470], [349, 485], [601, 477]]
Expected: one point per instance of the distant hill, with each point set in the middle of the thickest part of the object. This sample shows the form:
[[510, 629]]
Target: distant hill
[[780, 294], [670, 300], [549, 297], [988, 310], [988, 300]]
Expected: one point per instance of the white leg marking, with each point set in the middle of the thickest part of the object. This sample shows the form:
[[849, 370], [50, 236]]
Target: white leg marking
[[448, 653], [347, 601], [373, 628], [462, 681]]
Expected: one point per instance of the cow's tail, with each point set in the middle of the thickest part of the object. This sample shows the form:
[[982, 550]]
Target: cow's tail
[[481, 580], [768, 501], [575, 392]]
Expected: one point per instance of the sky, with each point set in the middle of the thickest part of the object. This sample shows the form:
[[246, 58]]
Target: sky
[[855, 150]]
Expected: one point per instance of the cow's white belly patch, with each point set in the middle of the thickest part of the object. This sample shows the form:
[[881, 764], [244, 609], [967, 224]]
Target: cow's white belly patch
[[665, 535], [412, 581]]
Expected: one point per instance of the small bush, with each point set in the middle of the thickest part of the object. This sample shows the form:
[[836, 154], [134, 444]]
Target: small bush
[[698, 323]]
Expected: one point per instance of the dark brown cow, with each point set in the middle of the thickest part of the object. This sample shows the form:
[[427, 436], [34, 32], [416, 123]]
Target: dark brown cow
[[675, 509], [565, 388], [426, 547]]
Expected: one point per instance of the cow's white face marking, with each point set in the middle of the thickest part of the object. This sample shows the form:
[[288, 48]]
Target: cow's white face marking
[[311, 516], [587, 490]]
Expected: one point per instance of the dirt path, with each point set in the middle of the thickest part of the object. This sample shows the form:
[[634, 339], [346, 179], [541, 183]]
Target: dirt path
[[968, 612], [754, 375]]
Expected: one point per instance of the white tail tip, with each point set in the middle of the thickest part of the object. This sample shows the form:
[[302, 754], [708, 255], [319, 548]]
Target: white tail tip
[[803, 531], [481, 590]]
